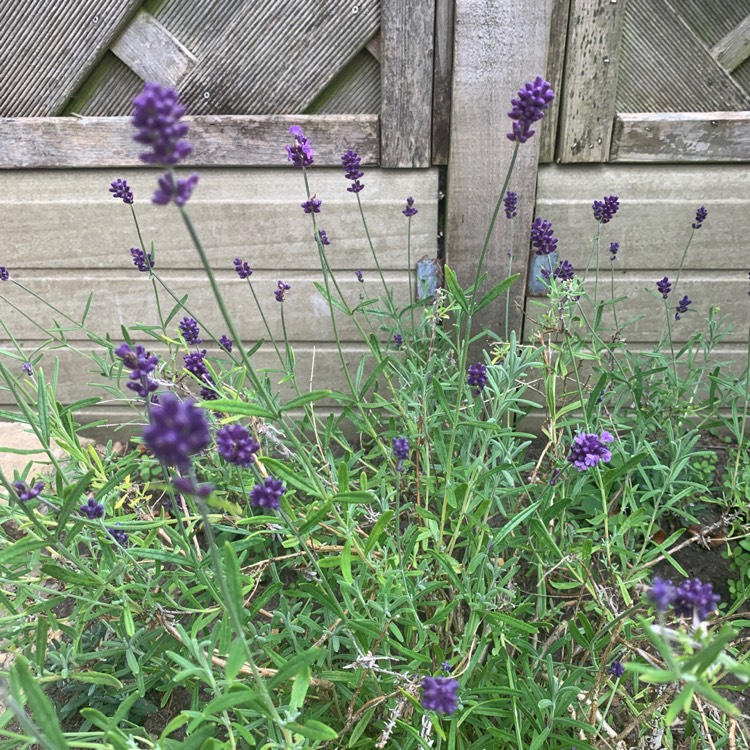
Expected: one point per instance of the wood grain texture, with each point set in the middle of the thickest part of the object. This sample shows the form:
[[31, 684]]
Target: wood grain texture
[[217, 141], [51, 217], [407, 39], [590, 84], [355, 90], [734, 48], [558, 35], [442, 80], [107, 92], [47, 48], [151, 52], [666, 67], [498, 47], [276, 57], [701, 136]]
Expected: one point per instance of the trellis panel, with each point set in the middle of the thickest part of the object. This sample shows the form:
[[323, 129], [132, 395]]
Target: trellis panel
[[47, 48]]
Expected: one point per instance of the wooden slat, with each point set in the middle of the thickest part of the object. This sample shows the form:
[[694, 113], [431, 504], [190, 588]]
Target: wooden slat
[[555, 66], [407, 39], [275, 57], [217, 141], [498, 47], [108, 92], [442, 81], [691, 136], [588, 97], [151, 52], [355, 91], [47, 48], [666, 67], [373, 46], [733, 49]]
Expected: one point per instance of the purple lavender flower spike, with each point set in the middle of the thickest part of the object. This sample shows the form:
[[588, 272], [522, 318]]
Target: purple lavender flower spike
[[616, 669], [440, 694], [312, 205], [589, 449], [121, 190], [511, 205], [141, 364], [542, 237], [700, 216], [694, 598], [28, 368], [323, 237], [4, 274], [353, 172], [300, 153], [477, 377], [188, 486], [361, 278], [178, 430], [92, 509], [661, 594], [236, 445], [243, 268], [564, 271], [267, 495], [120, 536], [398, 340], [190, 331], [142, 261], [682, 307], [614, 248], [157, 113], [445, 667], [168, 190], [401, 451], [26, 492], [409, 211], [664, 286], [226, 344], [281, 289], [529, 106], [605, 209]]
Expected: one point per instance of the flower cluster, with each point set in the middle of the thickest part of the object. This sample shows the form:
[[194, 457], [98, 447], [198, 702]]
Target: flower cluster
[[243, 268], [352, 163], [142, 261], [589, 449], [4, 274], [616, 669], [267, 495], [440, 694], [528, 107], [477, 377], [542, 237], [700, 216], [511, 205], [323, 235], [564, 271], [179, 190], [141, 364], [691, 598], [121, 190], [120, 536], [177, 430], [682, 307], [281, 289], [188, 486], [312, 205], [409, 211], [361, 278], [190, 331], [236, 446], [92, 509], [28, 493], [300, 153], [226, 344], [614, 248], [401, 451], [664, 286], [398, 340], [28, 368], [605, 209]]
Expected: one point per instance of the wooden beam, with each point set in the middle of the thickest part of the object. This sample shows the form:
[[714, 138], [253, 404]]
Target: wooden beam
[[731, 51], [682, 137], [152, 52], [221, 141], [407, 39], [558, 37], [590, 87], [498, 47], [442, 81], [373, 46]]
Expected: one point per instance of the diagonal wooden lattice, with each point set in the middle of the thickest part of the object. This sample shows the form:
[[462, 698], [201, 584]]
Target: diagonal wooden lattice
[[686, 56]]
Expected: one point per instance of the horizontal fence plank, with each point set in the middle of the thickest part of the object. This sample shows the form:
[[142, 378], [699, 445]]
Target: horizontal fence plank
[[229, 141], [68, 219], [684, 136]]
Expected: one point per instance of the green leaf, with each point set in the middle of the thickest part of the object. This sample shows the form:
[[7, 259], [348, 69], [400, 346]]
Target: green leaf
[[346, 562], [233, 578], [295, 665], [353, 497], [233, 406], [57, 572], [282, 470], [97, 678], [235, 658], [307, 398], [455, 289], [377, 530], [299, 689], [314, 730], [496, 291]]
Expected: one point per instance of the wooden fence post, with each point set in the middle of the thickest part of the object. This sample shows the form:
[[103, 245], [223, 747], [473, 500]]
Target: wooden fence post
[[498, 47]]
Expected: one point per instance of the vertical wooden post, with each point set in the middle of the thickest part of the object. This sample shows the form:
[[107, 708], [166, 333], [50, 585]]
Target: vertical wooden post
[[407, 39], [441, 95], [590, 89], [499, 45]]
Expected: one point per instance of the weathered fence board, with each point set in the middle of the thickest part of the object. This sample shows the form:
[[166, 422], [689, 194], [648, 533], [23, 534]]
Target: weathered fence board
[[442, 80], [406, 82], [734, 48], [356, 90], [688, 136], [588, 96], [218, 141], [47, 49]]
